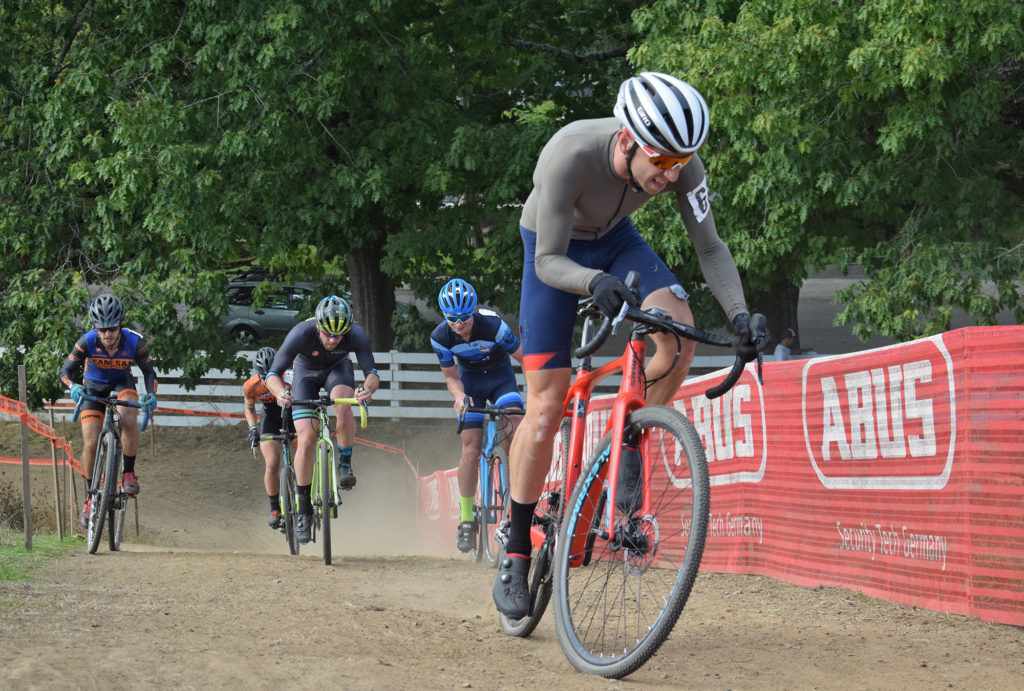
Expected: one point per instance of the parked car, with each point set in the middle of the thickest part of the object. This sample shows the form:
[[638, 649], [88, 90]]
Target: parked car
[[284, 307]]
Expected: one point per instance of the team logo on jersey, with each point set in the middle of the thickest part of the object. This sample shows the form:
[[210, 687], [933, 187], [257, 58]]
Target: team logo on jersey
[[700, 200]]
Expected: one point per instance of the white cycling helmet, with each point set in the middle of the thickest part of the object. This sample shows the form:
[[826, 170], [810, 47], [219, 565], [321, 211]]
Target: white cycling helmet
[[663, 113]]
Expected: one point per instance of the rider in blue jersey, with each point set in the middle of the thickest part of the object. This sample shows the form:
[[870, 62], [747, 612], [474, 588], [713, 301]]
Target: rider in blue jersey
[[317, 350], [473, 350], [108, 352]]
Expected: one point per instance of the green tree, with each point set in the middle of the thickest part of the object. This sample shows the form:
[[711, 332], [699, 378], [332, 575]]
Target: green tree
[[885, 133]]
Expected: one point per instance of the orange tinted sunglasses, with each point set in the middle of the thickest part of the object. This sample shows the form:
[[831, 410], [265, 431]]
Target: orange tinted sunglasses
[[664, 161]]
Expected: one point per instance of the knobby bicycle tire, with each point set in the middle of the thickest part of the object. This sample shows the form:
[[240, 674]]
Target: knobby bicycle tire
[[548, 513], [325, 457], [613, 614], [104, 484], [495, 497], [287, 490], [115, 527], [117, 521]]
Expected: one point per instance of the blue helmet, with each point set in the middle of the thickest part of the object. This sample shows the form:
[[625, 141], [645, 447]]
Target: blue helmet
[[457, 297]]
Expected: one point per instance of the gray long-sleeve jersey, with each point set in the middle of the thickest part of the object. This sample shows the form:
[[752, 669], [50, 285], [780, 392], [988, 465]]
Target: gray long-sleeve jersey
[[577, 196]]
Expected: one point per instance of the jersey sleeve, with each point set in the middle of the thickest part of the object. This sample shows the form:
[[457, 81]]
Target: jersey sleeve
[[445, 357], [360, 345], [73, 363], [506, 338], [716, 261], [556, 182], [285, 355], [145, 364]]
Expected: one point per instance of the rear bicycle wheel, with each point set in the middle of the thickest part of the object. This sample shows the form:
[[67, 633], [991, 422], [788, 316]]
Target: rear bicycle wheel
[[325, 456], [546, 519], [117, 517], [493, 499], [287, 490], [104, 484], [613, 614]]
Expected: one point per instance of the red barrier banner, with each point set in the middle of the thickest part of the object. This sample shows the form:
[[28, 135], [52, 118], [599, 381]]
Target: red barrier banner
[[897, 472]]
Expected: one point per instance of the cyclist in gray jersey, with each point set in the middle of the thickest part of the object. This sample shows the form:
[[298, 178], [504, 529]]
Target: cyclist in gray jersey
[[579, 240]]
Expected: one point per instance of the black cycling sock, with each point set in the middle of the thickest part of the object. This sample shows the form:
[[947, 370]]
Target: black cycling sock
[[305, 505], [129, 464], [345, 455], [275, 502], [88, 483], [520, 519]]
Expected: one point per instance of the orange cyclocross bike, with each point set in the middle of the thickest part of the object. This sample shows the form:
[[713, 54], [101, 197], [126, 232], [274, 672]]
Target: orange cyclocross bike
[[619, 564]]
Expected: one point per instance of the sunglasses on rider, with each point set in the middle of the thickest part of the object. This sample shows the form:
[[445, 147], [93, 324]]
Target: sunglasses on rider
[[664, 161], [328, 334], [458, 318], [107, 329]]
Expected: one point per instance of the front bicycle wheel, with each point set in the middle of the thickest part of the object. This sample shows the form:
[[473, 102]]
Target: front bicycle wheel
[[104, 484], [493, 499], [287, 489], [613, 614], [325, 459]]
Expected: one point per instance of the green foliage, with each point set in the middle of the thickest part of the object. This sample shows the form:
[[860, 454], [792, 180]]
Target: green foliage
[[412, 331], [884, 133], [148, 147]]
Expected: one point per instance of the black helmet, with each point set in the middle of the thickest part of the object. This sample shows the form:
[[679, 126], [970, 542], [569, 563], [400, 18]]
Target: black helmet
[[334, 316], [106, 311], [264, 359]]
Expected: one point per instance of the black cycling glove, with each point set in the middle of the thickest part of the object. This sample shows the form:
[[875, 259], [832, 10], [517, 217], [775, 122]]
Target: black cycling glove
[[254, 437], [751, 336], [610, 292]]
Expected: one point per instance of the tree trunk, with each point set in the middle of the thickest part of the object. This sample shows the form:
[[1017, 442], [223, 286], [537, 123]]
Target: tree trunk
[[779, 305], [373, 295]]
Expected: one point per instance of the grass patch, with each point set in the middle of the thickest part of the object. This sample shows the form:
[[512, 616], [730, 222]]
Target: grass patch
[[17, 563]]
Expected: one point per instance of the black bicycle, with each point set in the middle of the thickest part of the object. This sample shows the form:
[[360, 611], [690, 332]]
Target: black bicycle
[[108, 499], [287, 491]]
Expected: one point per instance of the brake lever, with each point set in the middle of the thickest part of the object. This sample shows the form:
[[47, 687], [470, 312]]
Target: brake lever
[[619, 318]]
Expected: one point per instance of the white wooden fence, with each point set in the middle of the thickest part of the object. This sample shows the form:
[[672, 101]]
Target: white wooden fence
[[412, 386]]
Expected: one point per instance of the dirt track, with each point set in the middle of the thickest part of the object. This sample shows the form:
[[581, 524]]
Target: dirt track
[[207, 597]]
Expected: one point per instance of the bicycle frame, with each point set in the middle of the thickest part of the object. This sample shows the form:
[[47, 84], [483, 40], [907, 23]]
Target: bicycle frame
[[324, 494], [108, 498], [630, 397]]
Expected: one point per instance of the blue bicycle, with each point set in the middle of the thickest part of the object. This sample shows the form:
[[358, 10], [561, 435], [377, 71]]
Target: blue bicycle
[[491, 502]]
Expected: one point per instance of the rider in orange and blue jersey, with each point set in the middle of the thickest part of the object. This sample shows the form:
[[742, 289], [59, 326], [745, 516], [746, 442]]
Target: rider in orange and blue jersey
[[107, 353], [273, 420]]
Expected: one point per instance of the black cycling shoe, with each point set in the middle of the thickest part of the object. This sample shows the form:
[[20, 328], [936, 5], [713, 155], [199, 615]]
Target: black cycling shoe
[[511, 591], [629, 495], [275, 521], [346, 478], [465, 539], [302, 527]]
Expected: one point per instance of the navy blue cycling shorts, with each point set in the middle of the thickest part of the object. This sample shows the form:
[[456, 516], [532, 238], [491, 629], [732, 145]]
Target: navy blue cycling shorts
[[498, 386], [547, 315], [306, 384]]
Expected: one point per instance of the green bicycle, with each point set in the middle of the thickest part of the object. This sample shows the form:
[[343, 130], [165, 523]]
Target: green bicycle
[[324, 493]]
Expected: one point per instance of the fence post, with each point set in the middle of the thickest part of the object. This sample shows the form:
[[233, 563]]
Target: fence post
[[56, 484], [394, 367], [26, 484]]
